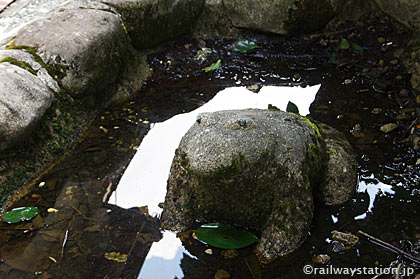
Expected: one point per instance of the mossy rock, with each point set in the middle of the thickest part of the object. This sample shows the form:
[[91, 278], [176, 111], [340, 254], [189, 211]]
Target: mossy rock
[[253, 168]]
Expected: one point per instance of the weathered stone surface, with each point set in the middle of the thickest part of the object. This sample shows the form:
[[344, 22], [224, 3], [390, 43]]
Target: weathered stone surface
[[214, 21], [257, 169], [282, 16], [24, 98], [246, 167], [403, 11], [29, 61], [150, 22], [85, 47], [341, 168]]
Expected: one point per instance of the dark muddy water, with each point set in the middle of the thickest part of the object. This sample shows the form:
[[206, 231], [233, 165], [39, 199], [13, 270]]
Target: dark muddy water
[[97, 218]]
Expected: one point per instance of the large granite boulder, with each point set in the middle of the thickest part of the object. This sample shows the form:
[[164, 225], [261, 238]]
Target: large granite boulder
[[150, 22], [24, 98], [254, 168], [282, 16], [85, 48], [403, 11]]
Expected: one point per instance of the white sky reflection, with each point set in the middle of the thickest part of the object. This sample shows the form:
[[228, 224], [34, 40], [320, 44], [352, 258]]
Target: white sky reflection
[[144, 181], [373, 190]]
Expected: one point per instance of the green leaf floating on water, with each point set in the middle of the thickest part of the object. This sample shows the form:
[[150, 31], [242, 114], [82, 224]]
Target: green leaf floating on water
[[245, 46], [20, 214], [213, 66], [356, 47], [344, 44], [225, 236]]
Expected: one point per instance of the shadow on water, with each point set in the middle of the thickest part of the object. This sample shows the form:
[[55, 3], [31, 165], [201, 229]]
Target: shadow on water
[[88, 228]]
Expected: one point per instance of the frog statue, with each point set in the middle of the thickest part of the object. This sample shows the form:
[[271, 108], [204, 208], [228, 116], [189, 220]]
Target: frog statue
[[261, 170]]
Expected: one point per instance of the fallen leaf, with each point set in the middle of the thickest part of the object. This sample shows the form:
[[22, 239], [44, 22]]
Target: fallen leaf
[[245, 46], [224, 236], [356, 47], [389, 127], [213, 66], [52, 210], [103, 129], [381, 40], [345, 238], [344, 44], [20, 214], [116, 256], [208, 251]]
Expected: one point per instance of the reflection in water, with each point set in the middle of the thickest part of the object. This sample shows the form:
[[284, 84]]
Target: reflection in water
[[144, 181], [164, 258], [373, 189]]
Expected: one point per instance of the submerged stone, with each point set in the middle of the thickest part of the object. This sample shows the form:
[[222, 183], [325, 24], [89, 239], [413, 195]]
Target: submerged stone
[[253, 168]]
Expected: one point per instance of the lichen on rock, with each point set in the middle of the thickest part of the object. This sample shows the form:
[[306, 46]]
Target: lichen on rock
[[253, 168]]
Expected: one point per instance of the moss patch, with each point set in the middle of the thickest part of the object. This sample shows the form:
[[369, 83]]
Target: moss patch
[[55, 134], [245, 190], [312, 125], [57, 72], [315, 164], [20, 64]]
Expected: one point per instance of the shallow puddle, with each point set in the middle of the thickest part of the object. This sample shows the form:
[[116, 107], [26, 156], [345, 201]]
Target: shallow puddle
[[100, 229], [144, 180]]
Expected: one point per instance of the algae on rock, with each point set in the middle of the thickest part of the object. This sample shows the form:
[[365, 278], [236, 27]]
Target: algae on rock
[[253, 168]]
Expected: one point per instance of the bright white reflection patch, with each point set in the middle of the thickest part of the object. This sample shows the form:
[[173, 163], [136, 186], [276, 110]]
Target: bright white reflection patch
[[373, 190], [164, 258], [144, 181]]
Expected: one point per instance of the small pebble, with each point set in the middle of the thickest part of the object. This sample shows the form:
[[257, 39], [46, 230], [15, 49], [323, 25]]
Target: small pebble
[[337, 247], [321, 259]]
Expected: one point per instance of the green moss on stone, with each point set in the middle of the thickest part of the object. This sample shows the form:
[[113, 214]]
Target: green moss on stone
[[245, 190], [312, 125], [315, 164], [56, 72], [20, 64]]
